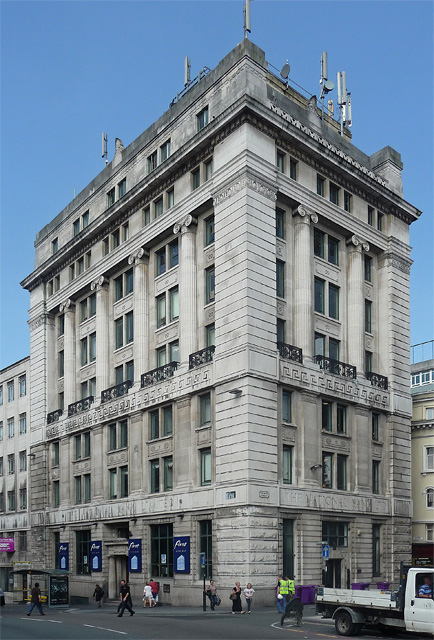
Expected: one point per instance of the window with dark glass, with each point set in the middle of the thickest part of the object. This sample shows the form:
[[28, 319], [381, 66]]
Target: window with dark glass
[[368, 268], [327, 413], [341, 471], [205, 537], [376, 476], [287, 464], [371, 216], [319, 344], [202, 118], [334, 193], [280, 161], [280, 330], [82, 549], [161, 310], [208, 169], [158, 207], [327, 470], [110, 197], [119, 333], [209, 231], [124, 481], [152, 161], [173, 304], [155, 476], [205, 467], [205, 408], [209, 285], [333, 250], [376, 550], [319, 295], [347, 201], [288, 547], [210, 335], [173, 253], [334, 349], [368, 316], [341, 418], [165, 151], [286, 405], [280, 279], [293, 169], [280, 223], [335, 534], [168, 473], [368, 361], [195, 178], [319, 243], [333, 301], [375, 429], [122, 187], [320, 185], [162, 550]]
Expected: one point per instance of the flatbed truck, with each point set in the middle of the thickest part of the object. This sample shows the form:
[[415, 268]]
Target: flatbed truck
[[388, 611]]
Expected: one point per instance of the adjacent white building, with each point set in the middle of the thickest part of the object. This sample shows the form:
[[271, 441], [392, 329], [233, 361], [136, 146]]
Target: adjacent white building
[[220, 345]]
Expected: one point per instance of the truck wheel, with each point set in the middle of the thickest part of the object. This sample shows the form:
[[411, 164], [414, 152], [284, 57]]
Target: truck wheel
[[344, 625]]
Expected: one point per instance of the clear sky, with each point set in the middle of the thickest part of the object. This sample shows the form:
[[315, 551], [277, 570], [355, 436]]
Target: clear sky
[[70, 70]]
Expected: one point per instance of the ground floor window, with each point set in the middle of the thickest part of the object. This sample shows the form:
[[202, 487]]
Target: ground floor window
[[205, 534], [288, 548], [335, 533], [376, 568], [162, 550], [82, 539]]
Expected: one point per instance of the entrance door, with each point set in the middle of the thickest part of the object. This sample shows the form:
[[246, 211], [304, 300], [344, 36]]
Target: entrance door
[[118, 570], [333, 574]]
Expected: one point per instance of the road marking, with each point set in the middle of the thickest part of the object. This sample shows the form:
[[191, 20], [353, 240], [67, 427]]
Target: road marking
[[124, 633], [54, 621]]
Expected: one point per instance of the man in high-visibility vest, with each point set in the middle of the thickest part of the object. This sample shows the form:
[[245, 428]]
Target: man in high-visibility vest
[[286, 589], [292, 604]]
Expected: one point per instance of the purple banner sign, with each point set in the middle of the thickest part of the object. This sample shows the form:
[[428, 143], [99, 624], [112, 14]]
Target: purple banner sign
[[7, 544]]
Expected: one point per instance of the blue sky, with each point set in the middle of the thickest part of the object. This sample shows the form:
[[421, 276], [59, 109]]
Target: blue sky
[[73, 69]]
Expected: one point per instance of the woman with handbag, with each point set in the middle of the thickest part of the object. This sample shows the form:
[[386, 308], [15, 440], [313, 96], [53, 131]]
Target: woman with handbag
[[236, 599]]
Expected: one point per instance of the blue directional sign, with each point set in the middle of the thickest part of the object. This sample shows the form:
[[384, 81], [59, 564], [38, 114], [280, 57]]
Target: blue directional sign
[[325, 551]]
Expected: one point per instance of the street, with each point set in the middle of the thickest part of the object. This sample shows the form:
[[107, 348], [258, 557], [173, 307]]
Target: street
[[180, 623]]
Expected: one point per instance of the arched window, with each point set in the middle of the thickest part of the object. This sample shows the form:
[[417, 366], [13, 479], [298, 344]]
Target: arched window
[[430, 498]]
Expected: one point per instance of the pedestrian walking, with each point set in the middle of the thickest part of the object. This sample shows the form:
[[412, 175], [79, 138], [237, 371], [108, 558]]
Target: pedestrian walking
[[279, 597], [126, 602], [98, 594], [211, 592], [35, 600], [155, 589], [235, 596], [286, 589], [248, 592], [147, 596]]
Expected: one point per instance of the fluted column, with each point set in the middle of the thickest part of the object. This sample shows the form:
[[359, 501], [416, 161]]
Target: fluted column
[[303, 284], [70, 373], [99, 464], [102, 333], [140, 260], [356, 302], [187, 286]]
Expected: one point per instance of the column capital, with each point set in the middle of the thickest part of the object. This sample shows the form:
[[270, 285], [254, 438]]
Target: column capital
[[188, 224], [357, 243], [99, 283], [68, 305], [140, 256], [306, 214]]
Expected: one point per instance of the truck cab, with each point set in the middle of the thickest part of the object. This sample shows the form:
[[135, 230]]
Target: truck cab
[[419, 602]]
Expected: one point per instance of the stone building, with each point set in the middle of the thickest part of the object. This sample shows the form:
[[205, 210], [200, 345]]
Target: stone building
[[219, 333], [14, 480], [422, 455]]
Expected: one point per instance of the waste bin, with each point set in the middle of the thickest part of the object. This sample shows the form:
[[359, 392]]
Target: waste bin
[[298, 591], [305, 593], [311, 594], [357, 585], [366, 585], [383, 585]]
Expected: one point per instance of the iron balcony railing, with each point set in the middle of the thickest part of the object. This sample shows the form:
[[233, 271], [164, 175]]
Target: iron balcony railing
[[117, 391], [337, 368], [201, 357], [289, 352], [377, 381], [158, 374], [54, 416], [80, 405]]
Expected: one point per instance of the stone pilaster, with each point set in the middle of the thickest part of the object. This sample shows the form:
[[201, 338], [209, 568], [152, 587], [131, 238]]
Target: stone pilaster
[[135, 461], [184, 445], [66, 485], [303, 284], [98, 464], [362, 456], [140, 260], [356, 303], [102, 333], [70, 373], [187, 286], [311, 454]]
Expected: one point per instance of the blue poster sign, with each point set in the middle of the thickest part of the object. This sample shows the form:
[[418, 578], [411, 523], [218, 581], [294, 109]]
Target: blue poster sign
[[96, 555], [325, 551], [181, 554], [135, 555], [64, 556]]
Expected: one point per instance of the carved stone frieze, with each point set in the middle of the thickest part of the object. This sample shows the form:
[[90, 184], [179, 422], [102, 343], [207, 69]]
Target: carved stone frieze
[[117, 458], [327, 271], [87, 372], [281, 308], [335, 442], [87, 327], [80, 467], [160, 447], [247, 181]]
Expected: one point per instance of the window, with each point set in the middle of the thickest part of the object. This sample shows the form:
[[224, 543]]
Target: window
[[152, 161], [429, 459], [320, 185], [161, 356], [1, 431], [335, 533], [113, 484], [334, 193], [22, 385], [371, 216], [122, 188], [341, 469], [195, 178], [280, 161], [80, 265], [374, 423], [319, 344], [161, 310], [347, 201], [430, 498], [116, 239], [205, 409], [173, 304], [105, 246], [146, 215], [333, 250], [380, 221], [286, 406], [124, 373], [11, 427], [293, 169], [341, 419], [168, 473], [205, 467], [333, 301], [61, 401], [368, 268], [88, 388], [118, 483], [368, 316], [287, 464], [11, 464], [164, 417], [376, 549], [160, 261], [319, 243], [82, 445], [124, 330], [209, 231], [54, 246], [368, 361], [85, 220], [88, 349], [205, 537], [23, 460], [124, 284], [327, 470], [77, 480], [280, 331], [11, 501], [280, 279], [170, 198], [162, 550], [11, 391], [2, 503], [280, 224], [55, 453], [71, 272], [87, 488], [23, 500], [158, 207], [334, 349], [155, 476], [319, 295], [209, 169], [1, 467], [202, 119], [209, 285], [327, 413], [82, 545], [210, 335], [376, 476], [288, 547], [110, 197], [118, 435], [76, 227], [174, 351], [165, 151], [429, 532], [124, 481]]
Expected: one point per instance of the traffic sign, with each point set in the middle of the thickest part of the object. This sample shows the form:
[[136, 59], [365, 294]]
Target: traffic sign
[[325, 551]]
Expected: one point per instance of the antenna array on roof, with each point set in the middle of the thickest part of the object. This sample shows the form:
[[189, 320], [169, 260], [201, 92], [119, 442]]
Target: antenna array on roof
[[344, 101]]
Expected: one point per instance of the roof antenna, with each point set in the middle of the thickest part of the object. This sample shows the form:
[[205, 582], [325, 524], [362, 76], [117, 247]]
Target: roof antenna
[[326, 85], [247, 25], [187, 71], [344, 101], [104, 139]]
